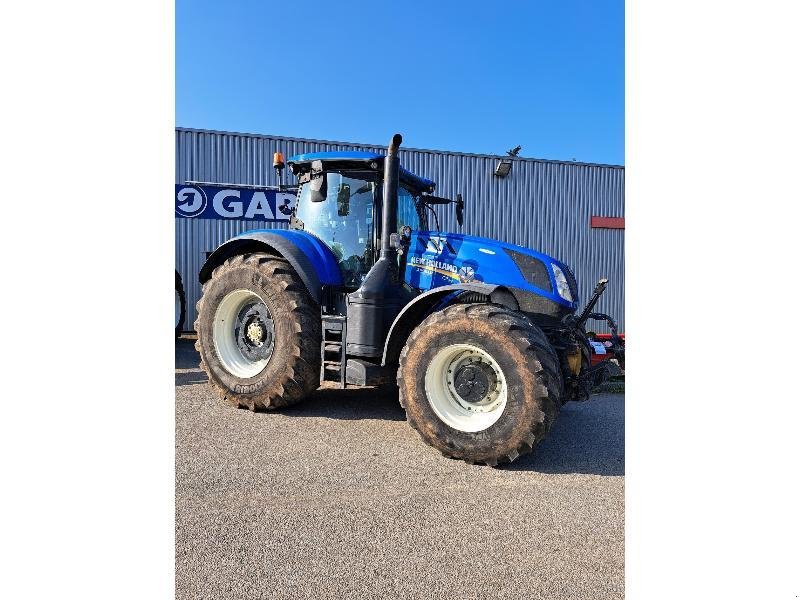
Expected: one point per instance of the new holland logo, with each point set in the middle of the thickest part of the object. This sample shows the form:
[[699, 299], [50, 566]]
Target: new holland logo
[[464, 274]]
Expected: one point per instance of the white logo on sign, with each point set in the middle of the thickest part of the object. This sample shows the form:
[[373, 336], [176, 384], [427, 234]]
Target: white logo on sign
[[284, 203], [258, 206], [234, 208], [191, 202], [229, 204]]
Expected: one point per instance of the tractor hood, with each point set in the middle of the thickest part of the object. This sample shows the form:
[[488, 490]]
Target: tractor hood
[[438, 258]]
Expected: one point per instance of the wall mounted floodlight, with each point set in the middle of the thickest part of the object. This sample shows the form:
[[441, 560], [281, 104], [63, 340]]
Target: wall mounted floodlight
[[503, 168]]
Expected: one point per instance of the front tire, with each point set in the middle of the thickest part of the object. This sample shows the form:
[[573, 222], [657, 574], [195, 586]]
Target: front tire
[[480, 383], [258, 333]]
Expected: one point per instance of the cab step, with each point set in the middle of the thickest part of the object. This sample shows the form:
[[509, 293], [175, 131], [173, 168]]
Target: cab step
[[334, 350]]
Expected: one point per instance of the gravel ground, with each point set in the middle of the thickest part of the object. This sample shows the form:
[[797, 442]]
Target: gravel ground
[[339, 498]]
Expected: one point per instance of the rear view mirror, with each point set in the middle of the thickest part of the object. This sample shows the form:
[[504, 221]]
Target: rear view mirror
[[459, 210], [318, 189], [343, 200], [318, 186]]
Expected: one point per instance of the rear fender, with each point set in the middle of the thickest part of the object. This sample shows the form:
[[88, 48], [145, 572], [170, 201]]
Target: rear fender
[[420, 307], [309, 257]]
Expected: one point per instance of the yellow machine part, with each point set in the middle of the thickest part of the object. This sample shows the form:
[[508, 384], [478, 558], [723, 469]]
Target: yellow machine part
[[574, 361]]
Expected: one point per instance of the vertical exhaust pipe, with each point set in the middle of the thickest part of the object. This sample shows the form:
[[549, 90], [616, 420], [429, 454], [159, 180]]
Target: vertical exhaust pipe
[[391, 180], [371, 309]]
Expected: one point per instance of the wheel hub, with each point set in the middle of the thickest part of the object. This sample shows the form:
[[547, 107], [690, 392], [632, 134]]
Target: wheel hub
[[474, 381], [255, 332], [466, 387], [243, 333]]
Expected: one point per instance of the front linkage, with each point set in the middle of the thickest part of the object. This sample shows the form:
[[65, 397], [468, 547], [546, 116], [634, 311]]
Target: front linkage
[[570, 340]]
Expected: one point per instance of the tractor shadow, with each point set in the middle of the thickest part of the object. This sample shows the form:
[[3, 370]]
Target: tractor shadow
[[350, 404], [192, 378], [587, 438]]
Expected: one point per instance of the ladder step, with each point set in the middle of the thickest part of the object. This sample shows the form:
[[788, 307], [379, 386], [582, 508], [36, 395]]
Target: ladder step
[[333, 348]]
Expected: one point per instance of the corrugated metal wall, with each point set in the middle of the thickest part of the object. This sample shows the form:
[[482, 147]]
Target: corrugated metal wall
[[545, 205]]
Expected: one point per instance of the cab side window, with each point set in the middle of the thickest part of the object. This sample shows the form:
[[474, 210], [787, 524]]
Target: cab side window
[[407, 213]]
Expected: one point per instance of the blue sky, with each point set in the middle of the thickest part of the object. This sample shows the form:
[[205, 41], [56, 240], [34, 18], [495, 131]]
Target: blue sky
[[468, 76]]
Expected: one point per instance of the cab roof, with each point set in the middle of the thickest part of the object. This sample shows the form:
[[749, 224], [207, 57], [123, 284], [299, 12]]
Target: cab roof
[[419, 183]]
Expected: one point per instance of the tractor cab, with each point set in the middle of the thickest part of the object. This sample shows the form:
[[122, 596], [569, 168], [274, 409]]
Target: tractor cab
[[340, 202]]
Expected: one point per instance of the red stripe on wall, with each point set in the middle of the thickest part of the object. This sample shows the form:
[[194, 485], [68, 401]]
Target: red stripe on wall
[[608, 222]]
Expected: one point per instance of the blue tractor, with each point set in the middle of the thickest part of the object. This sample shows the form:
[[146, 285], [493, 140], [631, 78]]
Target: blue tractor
[[483, 338]]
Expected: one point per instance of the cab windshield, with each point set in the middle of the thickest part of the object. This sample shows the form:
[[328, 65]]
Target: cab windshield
[[345, 220]]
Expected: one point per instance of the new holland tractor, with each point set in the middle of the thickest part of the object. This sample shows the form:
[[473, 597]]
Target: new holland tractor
[[482, 337]]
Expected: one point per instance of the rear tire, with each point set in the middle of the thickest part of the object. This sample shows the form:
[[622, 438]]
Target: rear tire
[[480, 383], [287, 319], [180, 305]]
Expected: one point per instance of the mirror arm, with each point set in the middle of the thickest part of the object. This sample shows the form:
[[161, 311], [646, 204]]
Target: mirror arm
[[436, 200]]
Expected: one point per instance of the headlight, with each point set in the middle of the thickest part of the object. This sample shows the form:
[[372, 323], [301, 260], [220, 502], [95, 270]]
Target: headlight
[[561, 283]]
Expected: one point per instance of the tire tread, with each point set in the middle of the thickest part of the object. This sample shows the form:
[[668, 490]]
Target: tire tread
[[300, 375], [528, 338]]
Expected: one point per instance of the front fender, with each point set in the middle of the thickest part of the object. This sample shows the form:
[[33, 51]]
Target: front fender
[[310, 257], [415, 311]]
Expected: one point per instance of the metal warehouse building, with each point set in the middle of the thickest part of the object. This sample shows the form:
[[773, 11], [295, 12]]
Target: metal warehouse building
[[572, 211]]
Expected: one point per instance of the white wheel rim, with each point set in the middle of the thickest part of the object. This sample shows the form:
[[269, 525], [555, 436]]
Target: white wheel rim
[[177, 309], [448, 404], [224, 334]]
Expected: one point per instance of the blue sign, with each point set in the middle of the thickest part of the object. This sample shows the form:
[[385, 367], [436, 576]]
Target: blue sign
[[216, 202]]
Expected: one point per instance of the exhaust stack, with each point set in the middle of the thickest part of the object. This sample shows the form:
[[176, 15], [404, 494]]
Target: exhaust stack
[[371, 309], [391, 180]]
